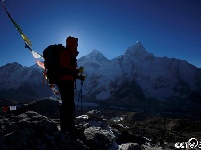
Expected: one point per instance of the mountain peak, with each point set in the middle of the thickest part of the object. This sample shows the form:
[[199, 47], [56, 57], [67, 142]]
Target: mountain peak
[[12, 66], [97, 57], [138, 43], [137, 50], [138, 47], [94, 53]]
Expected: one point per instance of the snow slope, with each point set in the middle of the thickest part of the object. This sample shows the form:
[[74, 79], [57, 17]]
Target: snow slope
[[132, 76]]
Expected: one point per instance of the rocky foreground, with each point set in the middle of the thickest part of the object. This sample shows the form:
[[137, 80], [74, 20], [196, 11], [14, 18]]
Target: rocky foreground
[[37, 127]]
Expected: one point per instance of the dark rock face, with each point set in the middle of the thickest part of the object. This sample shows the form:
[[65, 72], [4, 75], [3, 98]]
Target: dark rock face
[[30, 130], [130, 146], [96, 130], [98, 139], [34, 131]]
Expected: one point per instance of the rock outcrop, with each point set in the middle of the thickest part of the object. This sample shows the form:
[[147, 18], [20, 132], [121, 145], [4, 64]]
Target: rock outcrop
[[31, 130], [36, 126]]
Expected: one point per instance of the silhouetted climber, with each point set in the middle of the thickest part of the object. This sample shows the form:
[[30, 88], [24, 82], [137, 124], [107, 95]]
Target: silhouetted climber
[[61, 64]]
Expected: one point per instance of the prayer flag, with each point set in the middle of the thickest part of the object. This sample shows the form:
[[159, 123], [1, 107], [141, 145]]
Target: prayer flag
[[41, 64], [15, 24], [5, 109], [12, 108], [27, 46], [24, 37], [1, 109], [36, 55]]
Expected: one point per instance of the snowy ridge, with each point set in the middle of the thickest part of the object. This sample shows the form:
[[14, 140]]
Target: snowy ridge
[[18, 82], [137, 50], [133, 76], [97, 57], [155, 77], [12, 74]]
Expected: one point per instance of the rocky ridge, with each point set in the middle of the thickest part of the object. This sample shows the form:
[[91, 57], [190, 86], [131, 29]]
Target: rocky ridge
[[98, 129]]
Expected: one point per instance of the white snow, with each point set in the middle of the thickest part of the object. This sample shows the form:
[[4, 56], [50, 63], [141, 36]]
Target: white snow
[[158, 77]]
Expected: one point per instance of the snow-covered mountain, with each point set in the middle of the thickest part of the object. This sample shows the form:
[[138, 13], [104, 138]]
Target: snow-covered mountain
[[97, 57], [133, 76], [138, 74], [23, 83]]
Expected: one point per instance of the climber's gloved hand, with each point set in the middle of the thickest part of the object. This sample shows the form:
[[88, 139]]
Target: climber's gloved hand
[[81, 70], [82, 77]]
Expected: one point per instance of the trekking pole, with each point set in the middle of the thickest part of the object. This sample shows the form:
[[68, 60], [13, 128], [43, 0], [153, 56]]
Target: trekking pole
[[75, 85], [81, 94]]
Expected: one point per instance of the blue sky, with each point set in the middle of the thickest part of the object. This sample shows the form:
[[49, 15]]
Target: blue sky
[[169, 28]]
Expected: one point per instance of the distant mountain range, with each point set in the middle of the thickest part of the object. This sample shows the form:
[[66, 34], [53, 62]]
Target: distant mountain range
[[134, 76], [138, 75], [22, 83]]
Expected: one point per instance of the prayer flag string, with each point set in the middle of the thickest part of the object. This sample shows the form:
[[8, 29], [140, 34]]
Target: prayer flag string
[[36, 55], [24, 37], [8, 108]]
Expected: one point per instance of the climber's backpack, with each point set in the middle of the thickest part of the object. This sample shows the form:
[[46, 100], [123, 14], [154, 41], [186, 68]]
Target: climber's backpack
[[52, 63]]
